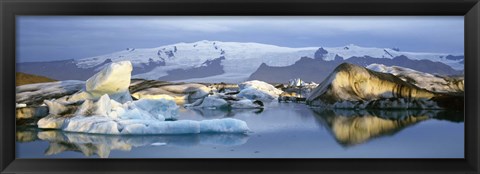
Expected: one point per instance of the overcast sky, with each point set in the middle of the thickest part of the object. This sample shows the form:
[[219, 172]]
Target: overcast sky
[[42, 38]]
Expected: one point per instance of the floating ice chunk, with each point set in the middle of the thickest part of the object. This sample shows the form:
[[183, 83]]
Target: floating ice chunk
[[163, 127], [158, 144], [52, 122], [35, 94], [226, 125], [105, 125], [214, 102], [145, 116], [152, 96], [160, 108], [245, 104], [106, 107], [113, 79], [353, 86], [55, 107], [181, 93], [427, 81], [92, 124], [258, 90], [219, 101], [20, 105]]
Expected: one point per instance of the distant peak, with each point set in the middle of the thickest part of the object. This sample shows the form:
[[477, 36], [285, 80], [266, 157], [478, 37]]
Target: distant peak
[[206, 41], [352, 45]]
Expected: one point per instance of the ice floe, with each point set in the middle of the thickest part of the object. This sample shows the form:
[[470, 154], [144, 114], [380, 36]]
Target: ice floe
[[427, 81], [105, 107], [353, 86], [258, 90]]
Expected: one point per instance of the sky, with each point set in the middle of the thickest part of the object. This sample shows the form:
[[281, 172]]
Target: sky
[[47, 38]]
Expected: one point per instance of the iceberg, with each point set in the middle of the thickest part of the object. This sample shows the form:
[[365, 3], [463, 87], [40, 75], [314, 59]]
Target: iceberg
[[105, 108], [435, 83], [222, 101], [144, 116], [181, 93], [214, 102], [35, 94], [113, 80], [351, 86], [258, 90]]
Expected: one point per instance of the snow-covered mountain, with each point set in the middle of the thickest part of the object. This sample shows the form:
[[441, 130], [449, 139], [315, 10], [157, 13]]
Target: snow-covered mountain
[[216, 61]]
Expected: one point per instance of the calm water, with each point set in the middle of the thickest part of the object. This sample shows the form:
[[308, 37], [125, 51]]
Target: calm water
[[282, 130]]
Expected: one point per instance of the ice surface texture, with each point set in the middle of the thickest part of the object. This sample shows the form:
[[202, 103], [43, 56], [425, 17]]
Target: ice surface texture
[[352, 86], [105, 107], [258, 90], [427, 81]]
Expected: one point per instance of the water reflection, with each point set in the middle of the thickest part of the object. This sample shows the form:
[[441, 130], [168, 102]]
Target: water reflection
[[222, 113], [101, 145], [278, 123], [352, 127]]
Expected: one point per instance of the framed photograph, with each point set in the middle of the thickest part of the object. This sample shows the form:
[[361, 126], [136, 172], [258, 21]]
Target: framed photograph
[[239, 86]]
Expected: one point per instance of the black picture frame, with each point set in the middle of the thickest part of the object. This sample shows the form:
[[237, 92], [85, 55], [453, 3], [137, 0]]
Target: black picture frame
[[470, 9]]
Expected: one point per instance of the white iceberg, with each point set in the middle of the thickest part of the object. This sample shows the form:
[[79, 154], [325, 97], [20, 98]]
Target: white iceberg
[[113, 80], [214, 102], [20, 105], [145, 116], [108, 109], [258, 90]]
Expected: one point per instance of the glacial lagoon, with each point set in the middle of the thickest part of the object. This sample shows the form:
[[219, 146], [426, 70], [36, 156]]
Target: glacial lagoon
[[281, 130]]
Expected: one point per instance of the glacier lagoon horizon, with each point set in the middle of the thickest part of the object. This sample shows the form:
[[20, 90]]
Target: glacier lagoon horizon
[[281, 130]]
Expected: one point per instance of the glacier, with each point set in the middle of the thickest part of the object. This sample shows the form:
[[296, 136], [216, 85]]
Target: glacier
[[242, 59]]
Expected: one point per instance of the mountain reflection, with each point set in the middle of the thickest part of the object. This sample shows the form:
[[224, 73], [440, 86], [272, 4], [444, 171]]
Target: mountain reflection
[[101, 145], [352, 127]]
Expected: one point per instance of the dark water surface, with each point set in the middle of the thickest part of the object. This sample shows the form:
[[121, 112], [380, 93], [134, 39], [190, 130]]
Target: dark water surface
[[282, 130]]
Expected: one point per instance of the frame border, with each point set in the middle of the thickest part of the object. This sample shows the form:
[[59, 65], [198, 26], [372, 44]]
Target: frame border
[[470, 9]]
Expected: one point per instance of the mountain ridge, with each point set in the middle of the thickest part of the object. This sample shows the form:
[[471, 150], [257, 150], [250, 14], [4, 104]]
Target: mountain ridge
[[241, 59]]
